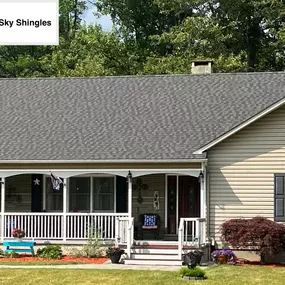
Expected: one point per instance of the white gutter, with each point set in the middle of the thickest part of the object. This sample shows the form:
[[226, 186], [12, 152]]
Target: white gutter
[[108, 161]]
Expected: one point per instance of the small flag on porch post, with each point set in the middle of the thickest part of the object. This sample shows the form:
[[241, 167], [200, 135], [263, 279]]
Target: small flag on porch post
[[56, 181]]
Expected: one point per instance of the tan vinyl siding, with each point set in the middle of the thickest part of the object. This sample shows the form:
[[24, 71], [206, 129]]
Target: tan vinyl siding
[[241, 171], [155, 182]]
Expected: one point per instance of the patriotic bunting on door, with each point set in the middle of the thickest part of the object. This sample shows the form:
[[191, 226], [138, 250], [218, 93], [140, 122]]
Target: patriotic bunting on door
[[56, 182]]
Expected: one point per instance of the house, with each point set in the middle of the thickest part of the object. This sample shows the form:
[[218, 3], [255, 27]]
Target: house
[[193, 150]]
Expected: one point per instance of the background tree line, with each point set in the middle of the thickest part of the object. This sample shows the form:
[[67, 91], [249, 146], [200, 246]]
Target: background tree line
[[157, 37]]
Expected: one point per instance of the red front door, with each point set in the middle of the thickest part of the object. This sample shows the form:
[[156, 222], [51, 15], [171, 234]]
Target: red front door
[[188, 197], [183, 200]]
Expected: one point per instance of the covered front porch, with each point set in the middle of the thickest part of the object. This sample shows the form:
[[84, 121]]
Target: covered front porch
[[95, 202]]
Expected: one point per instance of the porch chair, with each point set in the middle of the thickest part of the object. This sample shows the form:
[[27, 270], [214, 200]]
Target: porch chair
[[149, 222]]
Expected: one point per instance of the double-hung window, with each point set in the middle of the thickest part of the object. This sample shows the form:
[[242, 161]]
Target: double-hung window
[[103, 194], [79, 194], [54, 198], [84, 194]]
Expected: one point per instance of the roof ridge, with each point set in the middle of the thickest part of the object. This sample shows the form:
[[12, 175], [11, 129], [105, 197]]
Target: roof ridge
[[145, 75]]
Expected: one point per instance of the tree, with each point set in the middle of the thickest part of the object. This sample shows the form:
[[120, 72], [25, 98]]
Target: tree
[[92, 52], [26, 61], [250, 30]]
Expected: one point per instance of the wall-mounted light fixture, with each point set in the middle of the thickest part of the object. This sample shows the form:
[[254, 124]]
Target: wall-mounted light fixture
[[201, 176], [129, 177]]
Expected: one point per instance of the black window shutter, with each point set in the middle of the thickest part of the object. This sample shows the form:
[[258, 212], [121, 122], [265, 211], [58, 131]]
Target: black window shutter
[[37, 183], [121, 195], [279, 198]]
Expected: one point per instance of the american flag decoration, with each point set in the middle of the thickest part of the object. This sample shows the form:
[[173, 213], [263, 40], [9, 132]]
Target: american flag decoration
[[56, 182]]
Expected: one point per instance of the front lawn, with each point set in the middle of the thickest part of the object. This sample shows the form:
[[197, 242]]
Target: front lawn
[[221, 275]]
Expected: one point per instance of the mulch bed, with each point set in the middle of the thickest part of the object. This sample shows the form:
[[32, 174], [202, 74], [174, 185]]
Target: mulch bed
[[65, 259], [244, 262]]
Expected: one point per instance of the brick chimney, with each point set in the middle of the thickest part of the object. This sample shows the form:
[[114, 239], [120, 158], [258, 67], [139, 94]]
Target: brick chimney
[[202, 66]]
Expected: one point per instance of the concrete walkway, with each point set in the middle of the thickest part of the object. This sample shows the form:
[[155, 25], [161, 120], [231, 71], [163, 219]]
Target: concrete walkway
[[107, 265]]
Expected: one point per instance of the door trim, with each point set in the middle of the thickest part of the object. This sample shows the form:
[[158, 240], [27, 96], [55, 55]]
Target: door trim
[[177, 202], [177, 199]]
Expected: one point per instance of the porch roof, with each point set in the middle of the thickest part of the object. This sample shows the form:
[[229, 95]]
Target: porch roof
[[127, 118]]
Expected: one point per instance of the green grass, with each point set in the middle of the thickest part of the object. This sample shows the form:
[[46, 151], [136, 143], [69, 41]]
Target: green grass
[[17, 263], [220, 275]]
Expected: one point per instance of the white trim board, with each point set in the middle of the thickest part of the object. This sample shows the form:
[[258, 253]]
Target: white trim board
[[110, 161], [66, 173], [241, 126]]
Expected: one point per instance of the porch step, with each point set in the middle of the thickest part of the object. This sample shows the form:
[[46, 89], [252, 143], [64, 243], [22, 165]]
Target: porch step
[[165, 262], [170, 237], [149, 250], [155, 242], [156, 253], [151, 256]]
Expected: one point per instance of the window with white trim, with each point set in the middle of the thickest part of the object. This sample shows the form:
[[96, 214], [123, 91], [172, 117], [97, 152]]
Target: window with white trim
[[54, 198], [79, 194], [103, 194], [84, 194]]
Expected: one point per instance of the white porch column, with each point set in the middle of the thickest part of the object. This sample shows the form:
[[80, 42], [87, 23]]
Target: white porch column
[[130, 194], [2, 208], [64, 208], [203, 184], [203, 201]]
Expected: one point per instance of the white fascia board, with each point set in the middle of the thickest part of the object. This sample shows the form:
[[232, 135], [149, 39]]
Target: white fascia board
[[66, 173], [109, 161], [241, 126]]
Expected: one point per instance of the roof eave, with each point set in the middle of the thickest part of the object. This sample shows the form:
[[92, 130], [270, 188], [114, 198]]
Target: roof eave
[[109, 161]]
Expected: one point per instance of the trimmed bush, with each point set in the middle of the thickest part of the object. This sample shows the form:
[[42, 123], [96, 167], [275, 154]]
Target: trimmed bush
[[2, 253], [50, 252], [259, 234], [192, 272], [12, 254]]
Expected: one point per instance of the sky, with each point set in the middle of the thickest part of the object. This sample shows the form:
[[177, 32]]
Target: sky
[[104, 21]]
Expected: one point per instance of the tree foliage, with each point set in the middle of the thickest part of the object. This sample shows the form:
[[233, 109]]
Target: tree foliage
[[157, 37]]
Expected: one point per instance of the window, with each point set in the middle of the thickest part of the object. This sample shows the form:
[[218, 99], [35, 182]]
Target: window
[[84, 194], [54, 198], [279, 197], [79, 194], [103, 194]]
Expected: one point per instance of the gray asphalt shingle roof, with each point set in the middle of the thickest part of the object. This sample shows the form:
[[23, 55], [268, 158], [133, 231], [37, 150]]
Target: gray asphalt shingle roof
[[132, 117]]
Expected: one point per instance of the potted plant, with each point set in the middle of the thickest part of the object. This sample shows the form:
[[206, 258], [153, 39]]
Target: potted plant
[[18, 233], [223, 256], [115, 253]]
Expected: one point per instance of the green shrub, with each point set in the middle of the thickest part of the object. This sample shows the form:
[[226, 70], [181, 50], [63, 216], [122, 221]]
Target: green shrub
[[12, 254], [2, 253], [88, 252], [93, 247], [195, 272], [51, 252]]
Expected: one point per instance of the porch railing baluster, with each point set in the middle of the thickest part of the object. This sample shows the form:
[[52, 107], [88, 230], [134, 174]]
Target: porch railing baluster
[[45, 226]]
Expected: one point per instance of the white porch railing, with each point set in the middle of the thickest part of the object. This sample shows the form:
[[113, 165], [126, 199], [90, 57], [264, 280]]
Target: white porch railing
[[191, 232], [51, 226], [125, 232], [121, 230], [130, 237]]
